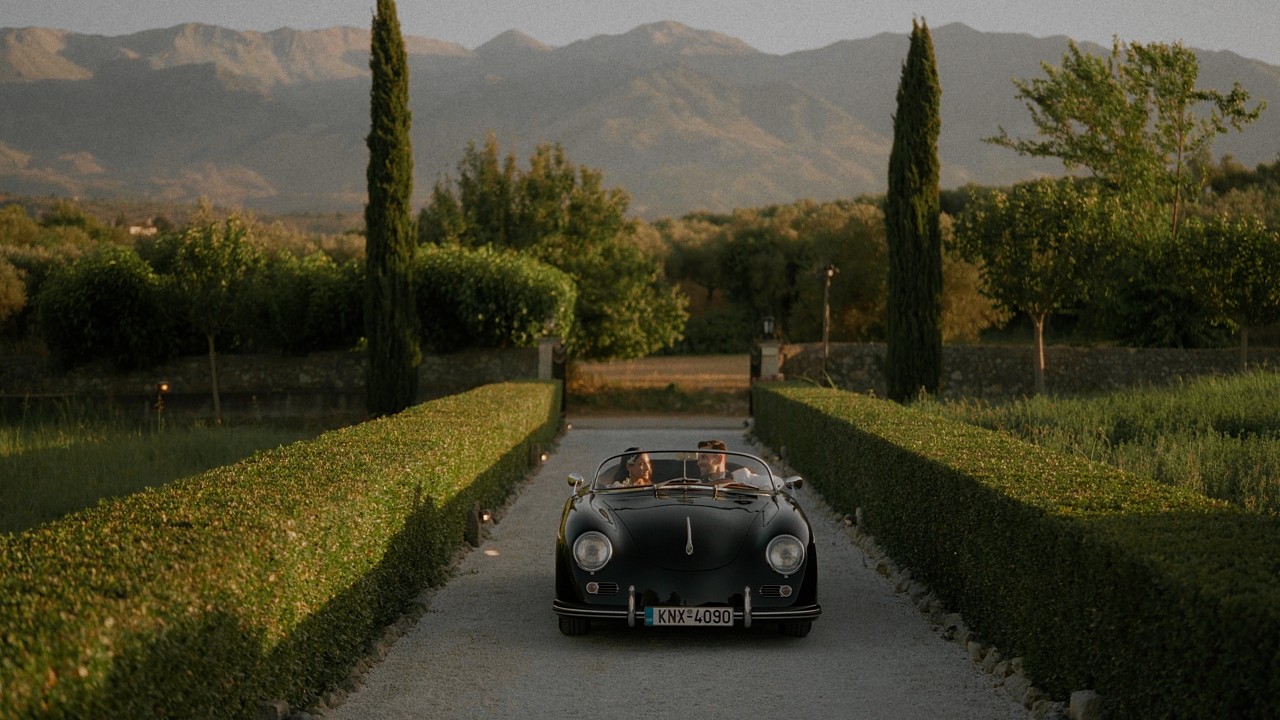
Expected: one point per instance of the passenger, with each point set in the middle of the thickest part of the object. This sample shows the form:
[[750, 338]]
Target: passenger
[[635, 469]]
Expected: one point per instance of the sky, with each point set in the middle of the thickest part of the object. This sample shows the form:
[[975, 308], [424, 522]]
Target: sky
[[1246, 27]]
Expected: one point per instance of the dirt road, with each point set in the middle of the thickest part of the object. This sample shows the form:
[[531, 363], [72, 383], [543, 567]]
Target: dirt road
[[489, 646]]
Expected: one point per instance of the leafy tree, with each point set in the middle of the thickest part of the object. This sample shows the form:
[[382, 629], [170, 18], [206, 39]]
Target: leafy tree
[[108, 304], [763, 265], [770, 261], [489, 298], [914, 311], [212, 267], [13, 291], [17, 227], [1131, 120], [1231, 265], [309, 304], [391, 325], [1039, 246], [562, 214], [1239, 192]]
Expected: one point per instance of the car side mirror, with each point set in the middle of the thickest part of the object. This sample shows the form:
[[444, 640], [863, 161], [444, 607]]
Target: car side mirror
[[795, 482], [577, 482]]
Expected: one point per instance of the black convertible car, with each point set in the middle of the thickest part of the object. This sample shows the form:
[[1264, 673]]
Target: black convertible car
[[668, 538]]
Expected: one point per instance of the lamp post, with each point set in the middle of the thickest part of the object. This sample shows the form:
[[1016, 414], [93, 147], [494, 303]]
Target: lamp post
[[768, 327], [827, 273], [162, 387]]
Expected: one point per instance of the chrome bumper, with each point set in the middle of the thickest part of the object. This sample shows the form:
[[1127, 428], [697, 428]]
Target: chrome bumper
[[634, 615]]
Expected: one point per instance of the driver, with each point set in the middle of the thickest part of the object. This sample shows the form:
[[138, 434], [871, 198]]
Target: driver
[[712, 464]]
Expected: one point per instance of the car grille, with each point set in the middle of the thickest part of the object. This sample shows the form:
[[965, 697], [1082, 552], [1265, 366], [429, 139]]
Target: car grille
[[604, 588], [775, 591]]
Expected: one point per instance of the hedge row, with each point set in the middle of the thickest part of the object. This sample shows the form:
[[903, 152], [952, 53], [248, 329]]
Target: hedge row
[[260, 580], [1165, 602], [113, 304]]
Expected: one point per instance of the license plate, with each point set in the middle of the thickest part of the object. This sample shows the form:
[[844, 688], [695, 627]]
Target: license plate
[[713, 616]]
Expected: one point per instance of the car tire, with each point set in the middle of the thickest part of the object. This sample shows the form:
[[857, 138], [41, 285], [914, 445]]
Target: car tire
[[794, 629], [574, 626]]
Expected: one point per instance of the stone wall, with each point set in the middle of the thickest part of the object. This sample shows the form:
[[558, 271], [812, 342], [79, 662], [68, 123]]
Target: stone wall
[[995, 372], [253, 386]]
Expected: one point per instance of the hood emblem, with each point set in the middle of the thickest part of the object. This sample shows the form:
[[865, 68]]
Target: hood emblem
[[688, 545]]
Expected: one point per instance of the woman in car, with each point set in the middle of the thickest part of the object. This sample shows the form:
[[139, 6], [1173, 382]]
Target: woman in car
[[635, 469]]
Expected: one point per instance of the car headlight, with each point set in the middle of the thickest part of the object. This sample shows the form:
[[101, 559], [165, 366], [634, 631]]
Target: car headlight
[[592, 551], [785, 554]]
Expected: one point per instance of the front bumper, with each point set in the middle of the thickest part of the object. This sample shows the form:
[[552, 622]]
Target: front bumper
[[633, 613]]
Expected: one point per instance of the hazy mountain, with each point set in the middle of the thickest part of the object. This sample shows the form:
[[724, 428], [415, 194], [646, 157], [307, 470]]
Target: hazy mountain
[[682, 119]]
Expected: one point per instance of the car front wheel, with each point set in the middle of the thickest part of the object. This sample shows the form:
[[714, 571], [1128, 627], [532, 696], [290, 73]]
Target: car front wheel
[[793, 629], [574, 626]]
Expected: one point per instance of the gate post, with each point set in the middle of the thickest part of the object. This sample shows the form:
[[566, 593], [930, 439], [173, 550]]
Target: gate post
[[552, 365]]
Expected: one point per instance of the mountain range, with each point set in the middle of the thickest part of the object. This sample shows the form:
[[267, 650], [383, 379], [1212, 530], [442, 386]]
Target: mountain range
[[682, 119]]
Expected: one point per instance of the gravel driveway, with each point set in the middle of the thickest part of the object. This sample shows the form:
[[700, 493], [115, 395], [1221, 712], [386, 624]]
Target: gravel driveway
[[489, 646]]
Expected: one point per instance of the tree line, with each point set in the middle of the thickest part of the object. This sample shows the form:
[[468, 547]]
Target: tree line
[[1153, 243]]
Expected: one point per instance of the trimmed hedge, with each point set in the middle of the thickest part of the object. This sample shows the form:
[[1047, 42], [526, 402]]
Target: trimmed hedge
[[1165, 602], [260, 580]]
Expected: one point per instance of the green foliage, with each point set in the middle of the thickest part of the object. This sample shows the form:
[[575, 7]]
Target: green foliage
[[1231, 267], [763, 265], [770, 261], [913, 362], [1219, 436], [211, 271], [65, 214], [391, 324], [308, 304], [17, 227], [562, 215], [489, 298], [13, 291], [48, 470], [211, 266], [263, 579], [1143, 298], [1131, 119], [719, 331], [1039, 247], [1142, 575], [108, 304]]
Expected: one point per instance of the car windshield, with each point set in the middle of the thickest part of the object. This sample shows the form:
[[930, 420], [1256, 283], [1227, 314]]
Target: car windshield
[[684, 468]]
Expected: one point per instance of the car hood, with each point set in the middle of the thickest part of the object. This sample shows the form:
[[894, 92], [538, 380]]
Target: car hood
[[695, 532]]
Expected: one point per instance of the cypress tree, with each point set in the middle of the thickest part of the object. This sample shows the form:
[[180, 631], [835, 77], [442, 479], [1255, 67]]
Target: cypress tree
[[912, 211], [390, 318]]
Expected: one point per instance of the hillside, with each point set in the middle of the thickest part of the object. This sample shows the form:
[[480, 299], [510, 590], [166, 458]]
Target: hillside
[[683, 119]]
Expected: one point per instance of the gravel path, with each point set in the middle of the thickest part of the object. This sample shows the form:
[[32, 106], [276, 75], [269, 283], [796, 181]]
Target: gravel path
[[489, 646]]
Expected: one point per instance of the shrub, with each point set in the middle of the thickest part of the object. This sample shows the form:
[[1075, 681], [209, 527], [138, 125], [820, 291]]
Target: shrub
[[308, 304], [259, 580], [106, 305], [485, 298], [1164, 601]]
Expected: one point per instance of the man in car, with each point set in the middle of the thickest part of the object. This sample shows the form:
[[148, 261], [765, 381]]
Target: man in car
[[712, 463]]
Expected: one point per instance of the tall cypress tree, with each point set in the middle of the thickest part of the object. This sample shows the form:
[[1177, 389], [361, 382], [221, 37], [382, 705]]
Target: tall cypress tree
[[912, 211], [390, 318]]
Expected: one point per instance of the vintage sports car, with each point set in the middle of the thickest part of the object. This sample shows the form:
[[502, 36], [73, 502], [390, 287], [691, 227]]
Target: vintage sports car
[[689, 548]]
